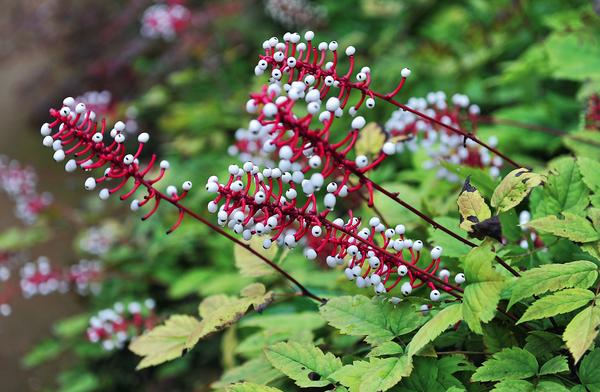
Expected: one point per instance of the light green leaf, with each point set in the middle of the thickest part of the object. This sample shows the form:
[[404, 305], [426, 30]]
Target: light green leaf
[[385, 373], [351, 375], [550, 386], [590, 171], [573, 227], [508, 364], [557, 364], [257, 371], [552, 277], [452, 248], [471, 207], [380, 322], [385, 349], [165, 342], [514, 188], [249, 387], [564, 190], [434, 328], [588, 371], [581, 331], [483, 288], [574, 56], [305, 364], [561, 302], [306, 321]]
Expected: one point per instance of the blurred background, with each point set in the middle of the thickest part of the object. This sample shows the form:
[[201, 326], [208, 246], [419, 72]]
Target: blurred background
[[182, 70]]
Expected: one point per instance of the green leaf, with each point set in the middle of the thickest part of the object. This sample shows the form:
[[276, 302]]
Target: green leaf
[[574, 56], [305, 321], [550, 386], [385, 373], [164, 342], [588, 371], [483, 288], [249, 387], [43, 352], [573, 227], [564, 190], [543, 344], [590, 171], [581, 331], [557, 364], [351, 375], [497, 336], [305, 364], [380, 322], [561, 302], [508, 364], [515, 186], [434, 328], [552, 277], [452, 247], [385, 349], [471, 207], [257, 370]]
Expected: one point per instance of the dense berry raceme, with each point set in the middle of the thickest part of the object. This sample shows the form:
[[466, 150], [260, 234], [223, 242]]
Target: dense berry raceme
[[441, 144], [114, 327], [267, 204], [294, 13], [20, 185], [164, 20]]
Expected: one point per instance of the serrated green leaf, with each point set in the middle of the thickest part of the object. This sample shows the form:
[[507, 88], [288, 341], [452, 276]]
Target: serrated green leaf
[[385, 373], [483, 288], [380, 322], [574, 56], [434, 328], [555, 365], [351, 375], [307, 365], [564, 190], [306, 321], [581, 331], [543, 344], [471, 207], [563, 301], [508, 364], [249, 387], [573, 227], [580, 145], [588, 371], [553, 277], [257, 371], [514, 187], [590, 171], [497, 336], [164, 342], [550, 386]]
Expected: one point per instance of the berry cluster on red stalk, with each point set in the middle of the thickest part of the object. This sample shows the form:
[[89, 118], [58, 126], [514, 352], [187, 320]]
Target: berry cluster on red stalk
[[266, 204], [592, 115], [165, 21], [114, 327], [441, 144]]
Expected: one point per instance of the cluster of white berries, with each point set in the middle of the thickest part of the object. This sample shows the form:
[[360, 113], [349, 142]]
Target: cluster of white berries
[[20, 185], [114, 327], [97, 240], [164, 21], [292, 13], [440, 144]]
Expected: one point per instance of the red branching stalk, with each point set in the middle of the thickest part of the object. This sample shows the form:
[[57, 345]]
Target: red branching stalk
[[73, 132]]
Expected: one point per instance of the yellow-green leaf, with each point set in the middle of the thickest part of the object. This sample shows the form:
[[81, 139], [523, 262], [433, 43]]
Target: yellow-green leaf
[[164, 342], [553, 277], [508, 364], [561, 302], [514, 188], [471, 206], [385, 373], [581, 331], [370, 140], [483, 288], [307, 365], [573, 227], [250, 265], [434, 328]]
